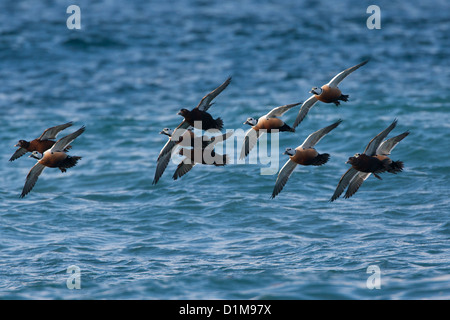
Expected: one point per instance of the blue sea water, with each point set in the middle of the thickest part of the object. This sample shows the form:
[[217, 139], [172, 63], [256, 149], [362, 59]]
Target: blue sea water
[[215, 233]]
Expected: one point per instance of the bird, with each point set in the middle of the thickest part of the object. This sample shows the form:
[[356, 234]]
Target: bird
[[188, 139], [204, 104], [55, 157], [199, 117], [328, 93], [373, 160], [266, 123], [204, 155], [41, 144], [305, 155]]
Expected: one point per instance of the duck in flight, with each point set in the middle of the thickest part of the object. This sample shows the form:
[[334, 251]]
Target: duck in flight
[[55, 157], [305, 155], [266, 123], [328, 93], [204, 155], [187, 139], [374, 160], [164, 155], [41, 144]]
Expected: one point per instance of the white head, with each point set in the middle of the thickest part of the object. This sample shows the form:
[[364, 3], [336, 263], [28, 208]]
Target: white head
[[289, 151], [167, 131], [316, 91], [251, 121], [36, 155]]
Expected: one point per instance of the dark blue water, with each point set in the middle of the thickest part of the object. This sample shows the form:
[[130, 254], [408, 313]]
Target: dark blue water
[[215, 233]]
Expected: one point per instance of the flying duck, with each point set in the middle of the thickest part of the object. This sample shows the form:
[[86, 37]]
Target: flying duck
[[305, 155], [266, 123], [187, 139], [328, 93], [41, 144], [373, 160], [55, 157], [205, 155], [200, 116], [201, 119], [203, 105]]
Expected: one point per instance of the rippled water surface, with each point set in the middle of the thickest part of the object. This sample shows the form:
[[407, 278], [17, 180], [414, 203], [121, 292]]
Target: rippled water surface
[[215, 233]]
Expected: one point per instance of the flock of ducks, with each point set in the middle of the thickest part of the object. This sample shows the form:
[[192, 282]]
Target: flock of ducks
[[200, 149]]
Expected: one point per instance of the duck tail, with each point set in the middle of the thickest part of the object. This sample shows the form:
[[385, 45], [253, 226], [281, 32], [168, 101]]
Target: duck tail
[[343, 97], [395, 167], [69, 162], [219, 123], [321, 159]]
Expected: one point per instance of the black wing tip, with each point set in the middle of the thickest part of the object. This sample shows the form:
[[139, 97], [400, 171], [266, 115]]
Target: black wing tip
[[334, 125], [365, 61]]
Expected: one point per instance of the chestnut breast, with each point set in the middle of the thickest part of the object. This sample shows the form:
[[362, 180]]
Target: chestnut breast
[[40, 145], [381, 158], [329, 94], [268, 124], [304, 156], [53, 160]]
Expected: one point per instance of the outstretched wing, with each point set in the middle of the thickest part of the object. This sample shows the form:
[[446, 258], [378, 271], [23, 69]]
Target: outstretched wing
[[355, 183], [205, 103], [173, 140], [344, 182], [52, 132], [19, 152], [388, 145], [161, 166], [304, 109], [315, 137], [32, 177], [279, 111], [373, 145], [283, 177], [342, 75], [250, 140], [182, 169], [62, 143]]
